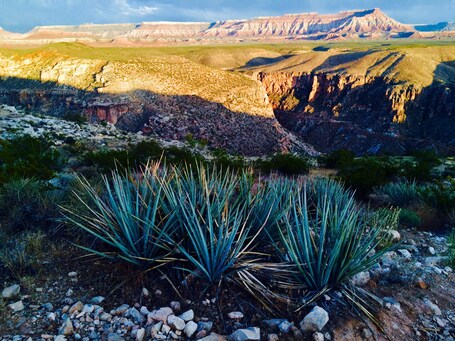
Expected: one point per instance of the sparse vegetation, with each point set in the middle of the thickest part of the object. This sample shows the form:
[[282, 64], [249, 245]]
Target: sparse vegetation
[[27, 157], [409, 218]]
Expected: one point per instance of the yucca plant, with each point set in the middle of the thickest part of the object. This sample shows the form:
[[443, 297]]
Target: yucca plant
[[329, 239], [271, 202], [401, 194], [213, 209], [127, 217]]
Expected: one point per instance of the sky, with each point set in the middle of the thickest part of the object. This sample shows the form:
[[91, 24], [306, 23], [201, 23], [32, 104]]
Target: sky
[[23, 15]]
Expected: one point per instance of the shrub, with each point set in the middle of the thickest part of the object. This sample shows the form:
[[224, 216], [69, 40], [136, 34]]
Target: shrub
[[28, 157], [401, 194], [137, 155], [127, 217], [29, 204], [420, 169], [328, 239], [21, 255], [364, 174], [440, 195], [285, 163], [337, 158], [409, 218], [75, 117]]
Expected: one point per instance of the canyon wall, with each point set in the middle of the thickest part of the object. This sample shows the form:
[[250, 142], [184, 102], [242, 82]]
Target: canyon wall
[[367, 115]]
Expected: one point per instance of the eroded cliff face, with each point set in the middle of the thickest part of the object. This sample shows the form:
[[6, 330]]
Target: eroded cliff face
[[169, 98], [367, 115]]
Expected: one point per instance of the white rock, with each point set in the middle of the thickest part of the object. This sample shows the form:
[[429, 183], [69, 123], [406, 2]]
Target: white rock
[[144, 310], [434, 308], [72, 274], [190, 328], [405, 253], [317, 336], [187, 315], [165, 329], [17, 306], [432, 261], [175, 322], [248, 334], [11, 291], [161, 314], [140, 334], [97, 299], [315, 320], [235, 315], [395, 235], [431, 250]]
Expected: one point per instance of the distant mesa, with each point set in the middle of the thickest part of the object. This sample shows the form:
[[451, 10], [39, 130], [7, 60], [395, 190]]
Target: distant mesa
[[371, 24]]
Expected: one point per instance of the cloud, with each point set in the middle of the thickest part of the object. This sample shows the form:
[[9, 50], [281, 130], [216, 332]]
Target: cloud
[[128, 10]]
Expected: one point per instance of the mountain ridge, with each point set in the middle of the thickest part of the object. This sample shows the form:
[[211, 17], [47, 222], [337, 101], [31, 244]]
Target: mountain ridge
[[346, 25]]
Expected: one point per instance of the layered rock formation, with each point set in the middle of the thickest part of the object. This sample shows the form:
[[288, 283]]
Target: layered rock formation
[[351, 23], [359, 24]]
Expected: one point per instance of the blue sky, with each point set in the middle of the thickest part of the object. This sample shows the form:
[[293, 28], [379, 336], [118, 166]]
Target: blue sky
[[22, 15]]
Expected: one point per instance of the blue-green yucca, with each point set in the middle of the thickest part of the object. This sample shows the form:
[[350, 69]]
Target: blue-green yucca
[[213, 210], [401, 194], [128, 216], [329, 239]]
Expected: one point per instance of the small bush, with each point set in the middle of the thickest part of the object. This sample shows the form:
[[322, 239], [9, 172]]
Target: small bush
[[421, 169], [365, 174], [286, 164], [21, 255], [440, 195], [29, 204], [409, 218], [337, 158], [75, 117], [28, 157]]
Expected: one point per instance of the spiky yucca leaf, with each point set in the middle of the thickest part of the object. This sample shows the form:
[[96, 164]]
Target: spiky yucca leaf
[[213, 210], [127, 216], [329, 239]]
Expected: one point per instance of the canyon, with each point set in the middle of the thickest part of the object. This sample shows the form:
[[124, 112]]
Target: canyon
[[256, 100]]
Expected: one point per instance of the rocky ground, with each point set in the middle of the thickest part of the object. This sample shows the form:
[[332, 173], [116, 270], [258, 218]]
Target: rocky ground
[[14, 123], [416, 288]]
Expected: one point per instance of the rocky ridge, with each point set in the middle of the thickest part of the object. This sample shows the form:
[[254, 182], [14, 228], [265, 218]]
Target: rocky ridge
[[356, 24]]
